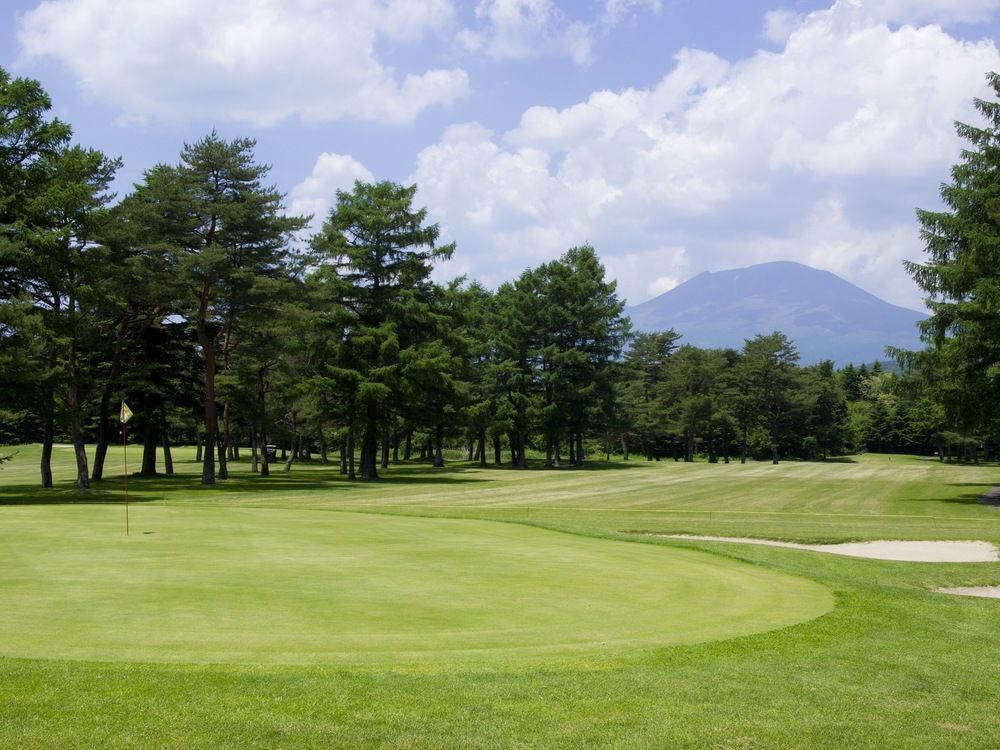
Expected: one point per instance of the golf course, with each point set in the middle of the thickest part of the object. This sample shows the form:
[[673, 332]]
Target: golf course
[[486, 607]]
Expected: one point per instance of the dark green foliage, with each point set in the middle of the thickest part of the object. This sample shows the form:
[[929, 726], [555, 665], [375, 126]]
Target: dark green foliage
[[961, 277], [224, 233], [376, 257]]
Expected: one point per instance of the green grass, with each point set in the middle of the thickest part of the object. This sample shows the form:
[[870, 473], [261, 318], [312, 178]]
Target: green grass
[[397, 616]]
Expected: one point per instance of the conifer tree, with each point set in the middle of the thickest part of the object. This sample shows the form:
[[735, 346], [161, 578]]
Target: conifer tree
[[961, 277], [377, 256]]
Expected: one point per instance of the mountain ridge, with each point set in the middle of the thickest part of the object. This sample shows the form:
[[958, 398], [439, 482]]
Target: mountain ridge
[[827, 317]]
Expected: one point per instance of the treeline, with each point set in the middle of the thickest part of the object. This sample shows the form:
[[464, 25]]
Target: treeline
[[197, 299]]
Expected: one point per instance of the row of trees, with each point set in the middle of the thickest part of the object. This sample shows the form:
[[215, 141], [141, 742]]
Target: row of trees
[[197, 297]]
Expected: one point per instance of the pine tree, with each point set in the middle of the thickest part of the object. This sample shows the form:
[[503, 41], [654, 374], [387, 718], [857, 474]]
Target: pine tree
[[377, 257], [961, 277]]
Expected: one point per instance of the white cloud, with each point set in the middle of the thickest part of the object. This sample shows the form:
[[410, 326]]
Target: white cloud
[[262, 62], [528, 29], [779, 25], [317, 193], [617, 11], [523, 29], [943, 12], [818, 152]]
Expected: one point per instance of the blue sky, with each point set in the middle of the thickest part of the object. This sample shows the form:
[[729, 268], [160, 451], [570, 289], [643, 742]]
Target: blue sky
[[676, 136]]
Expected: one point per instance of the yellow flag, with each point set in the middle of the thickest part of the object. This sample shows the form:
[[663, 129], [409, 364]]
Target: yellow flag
[[126, 414]]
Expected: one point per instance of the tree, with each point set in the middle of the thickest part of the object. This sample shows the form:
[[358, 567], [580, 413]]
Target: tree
[[961, 278], [828, 413], [226, 230], [640, 390], [51, 197], [772, 381], [376, 256], [581, 332]]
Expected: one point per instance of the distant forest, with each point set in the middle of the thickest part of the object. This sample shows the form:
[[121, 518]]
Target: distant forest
[[198, 301]]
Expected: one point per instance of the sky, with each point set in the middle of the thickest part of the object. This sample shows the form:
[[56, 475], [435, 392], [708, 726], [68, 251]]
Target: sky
[[675, 136]]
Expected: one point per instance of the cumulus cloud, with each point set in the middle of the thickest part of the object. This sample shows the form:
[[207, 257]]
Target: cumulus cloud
[[779, 25], [527, 29], [262, 62], [317, 193], [617, 11], [522, 29], [818, 152], [943, 12]]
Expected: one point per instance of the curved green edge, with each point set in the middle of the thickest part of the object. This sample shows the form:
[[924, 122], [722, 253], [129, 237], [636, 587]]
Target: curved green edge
[[265, 586]]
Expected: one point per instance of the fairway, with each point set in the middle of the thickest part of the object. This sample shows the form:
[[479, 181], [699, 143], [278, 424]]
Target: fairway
[[471, 607], [234, 585]]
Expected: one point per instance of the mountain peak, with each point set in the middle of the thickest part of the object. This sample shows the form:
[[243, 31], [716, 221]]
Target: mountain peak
[[826, 316]]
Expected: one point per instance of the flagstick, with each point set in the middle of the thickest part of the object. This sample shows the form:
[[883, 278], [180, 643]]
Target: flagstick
[[125, 449]]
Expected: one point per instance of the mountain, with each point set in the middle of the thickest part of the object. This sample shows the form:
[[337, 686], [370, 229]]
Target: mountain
[[824, 315]]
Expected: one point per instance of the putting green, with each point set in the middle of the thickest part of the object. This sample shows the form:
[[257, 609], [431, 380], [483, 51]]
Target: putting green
[[206, 583]]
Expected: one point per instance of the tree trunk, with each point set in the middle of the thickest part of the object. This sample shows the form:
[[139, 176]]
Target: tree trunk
[[572, 450], [482, 448], [385, 450], [324, 457], [150, 442], [579, 449], [408, 447], [296, 448], [688, 446], [254, 455], [350, 450], [369, 443], [73, 402], [438, 446], [168, 459], [103, 433], [211, 413], [48, 433], [198, 450], [265, 460], [224, 444], [497, 451], [342, 449]]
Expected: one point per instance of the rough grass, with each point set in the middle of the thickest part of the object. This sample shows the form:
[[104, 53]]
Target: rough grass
[[892, 665]]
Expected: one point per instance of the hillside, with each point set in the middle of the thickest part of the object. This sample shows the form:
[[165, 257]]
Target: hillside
[[826, 316]]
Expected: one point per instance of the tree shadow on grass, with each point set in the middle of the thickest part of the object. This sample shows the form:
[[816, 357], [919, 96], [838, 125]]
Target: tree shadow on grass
[[316, 478], [965, 498], [25, 496]]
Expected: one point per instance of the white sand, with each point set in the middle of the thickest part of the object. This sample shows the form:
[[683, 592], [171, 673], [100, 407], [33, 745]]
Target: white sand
[[989, 592], [950, 552]]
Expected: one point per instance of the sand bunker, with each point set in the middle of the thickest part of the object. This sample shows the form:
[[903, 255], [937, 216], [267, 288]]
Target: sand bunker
[[989, 592], [906, 551]]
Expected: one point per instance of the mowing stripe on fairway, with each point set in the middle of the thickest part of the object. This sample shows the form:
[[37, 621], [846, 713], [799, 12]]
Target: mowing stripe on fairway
[[385, 505]]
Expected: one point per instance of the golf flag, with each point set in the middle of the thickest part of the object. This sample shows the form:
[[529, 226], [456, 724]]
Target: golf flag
[[126, 414]]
